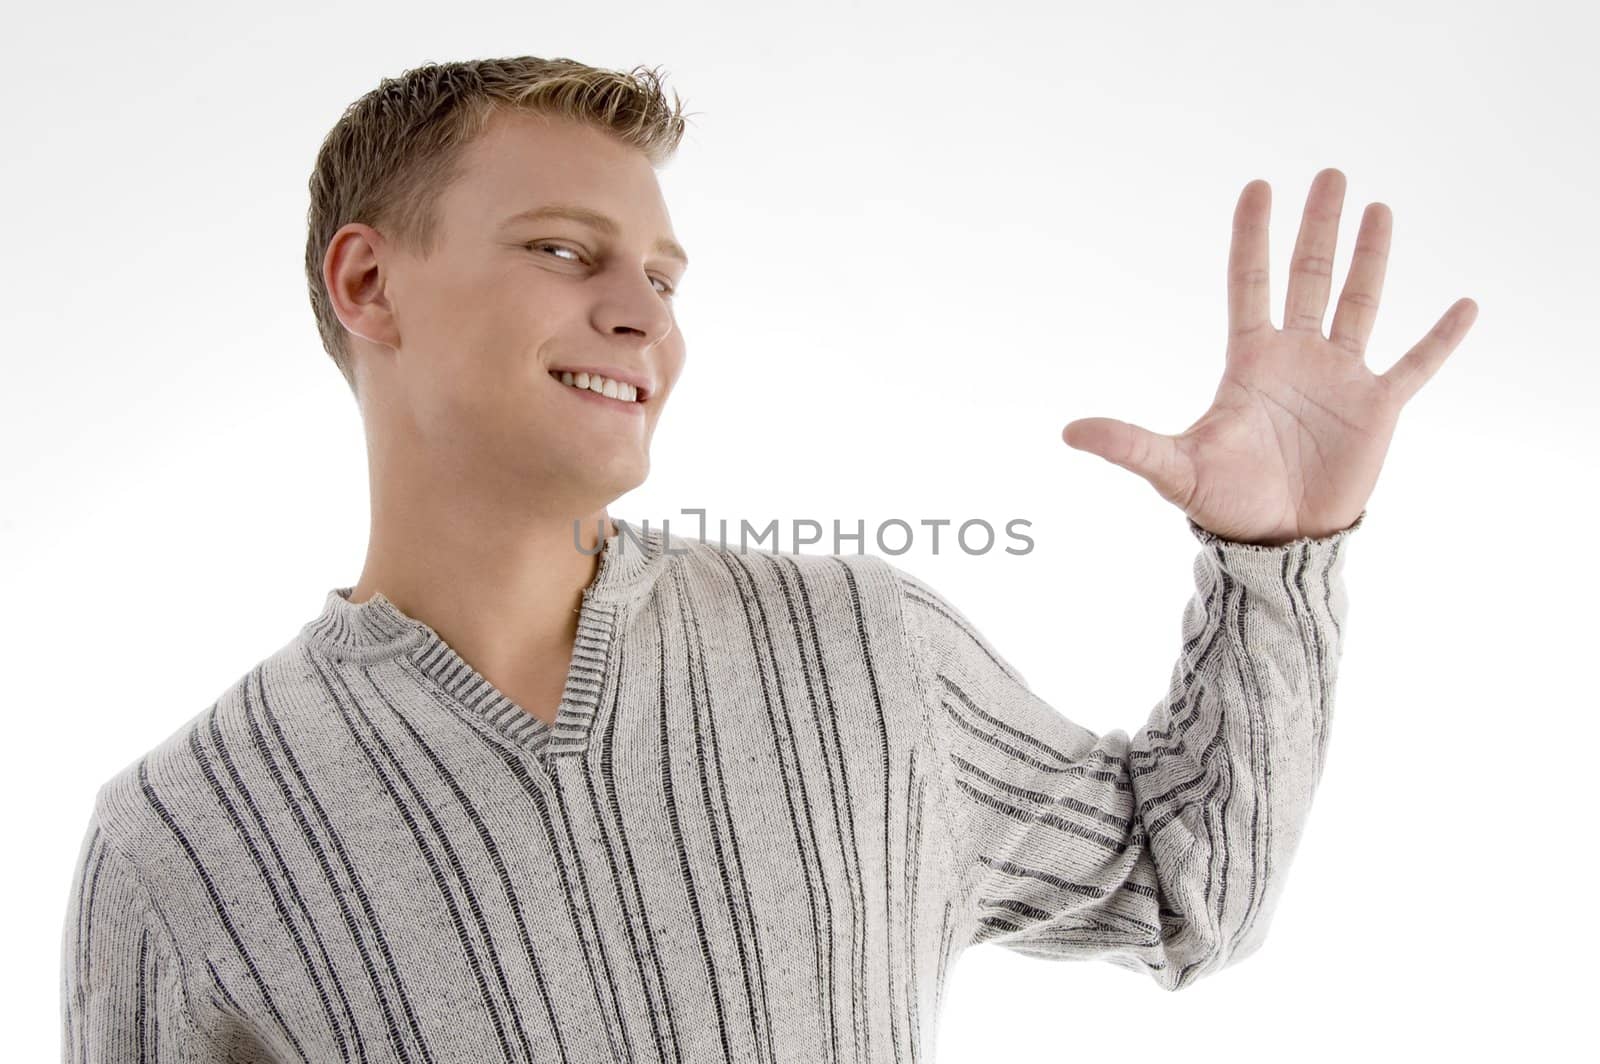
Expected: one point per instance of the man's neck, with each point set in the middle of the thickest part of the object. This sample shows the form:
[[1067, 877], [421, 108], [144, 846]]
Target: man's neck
[[505, 600]]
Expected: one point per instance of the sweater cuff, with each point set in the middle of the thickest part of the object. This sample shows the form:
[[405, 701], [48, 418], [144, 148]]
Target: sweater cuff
[[1207, 537]]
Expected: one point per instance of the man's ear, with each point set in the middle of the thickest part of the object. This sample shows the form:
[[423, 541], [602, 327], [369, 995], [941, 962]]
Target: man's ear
[[355, 273]]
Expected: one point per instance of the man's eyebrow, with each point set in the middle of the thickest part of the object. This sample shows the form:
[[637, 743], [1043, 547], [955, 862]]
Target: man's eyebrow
[[603, 223]]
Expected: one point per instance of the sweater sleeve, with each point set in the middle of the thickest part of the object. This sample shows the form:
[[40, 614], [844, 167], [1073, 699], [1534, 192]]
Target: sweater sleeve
[[122, 991], [1164, 853]]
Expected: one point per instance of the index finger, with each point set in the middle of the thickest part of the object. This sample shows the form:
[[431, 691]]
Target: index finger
[[1248, 290]]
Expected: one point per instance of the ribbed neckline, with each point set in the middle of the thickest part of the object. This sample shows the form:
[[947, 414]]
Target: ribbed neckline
[[376, 630]]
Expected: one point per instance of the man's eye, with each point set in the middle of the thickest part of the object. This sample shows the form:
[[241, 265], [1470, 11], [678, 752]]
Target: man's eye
[[667, 290], [558, 247]]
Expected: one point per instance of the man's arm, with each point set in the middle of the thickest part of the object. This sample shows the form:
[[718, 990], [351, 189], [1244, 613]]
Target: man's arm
[[122, 996], [1164, 853]]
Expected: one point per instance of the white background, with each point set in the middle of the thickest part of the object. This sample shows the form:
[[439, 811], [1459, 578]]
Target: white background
[[924, 239]]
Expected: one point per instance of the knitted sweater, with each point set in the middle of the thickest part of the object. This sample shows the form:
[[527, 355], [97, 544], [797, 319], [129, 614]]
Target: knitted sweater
[[783, 792]]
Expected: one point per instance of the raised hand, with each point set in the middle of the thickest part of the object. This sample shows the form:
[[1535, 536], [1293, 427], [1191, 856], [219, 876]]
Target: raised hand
[[1299, 426]]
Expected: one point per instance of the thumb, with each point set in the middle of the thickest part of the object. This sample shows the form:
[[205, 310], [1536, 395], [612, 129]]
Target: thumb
[[1152, 455]]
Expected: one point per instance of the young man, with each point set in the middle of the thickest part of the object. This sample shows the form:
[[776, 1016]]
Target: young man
[[505, 799]]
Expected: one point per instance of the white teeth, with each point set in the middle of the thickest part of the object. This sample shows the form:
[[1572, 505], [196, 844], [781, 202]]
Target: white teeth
[[594, 382]]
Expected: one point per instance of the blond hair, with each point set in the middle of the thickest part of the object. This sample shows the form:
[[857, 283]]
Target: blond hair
[[392, 153]]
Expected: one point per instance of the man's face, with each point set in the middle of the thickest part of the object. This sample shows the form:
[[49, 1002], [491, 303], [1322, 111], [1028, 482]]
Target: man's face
[[482, 327]]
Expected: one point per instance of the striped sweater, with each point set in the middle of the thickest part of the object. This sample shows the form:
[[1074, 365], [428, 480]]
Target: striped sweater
[[782, 793]]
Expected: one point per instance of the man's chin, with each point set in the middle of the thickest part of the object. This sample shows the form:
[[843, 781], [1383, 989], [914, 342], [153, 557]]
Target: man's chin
[[606, 478]]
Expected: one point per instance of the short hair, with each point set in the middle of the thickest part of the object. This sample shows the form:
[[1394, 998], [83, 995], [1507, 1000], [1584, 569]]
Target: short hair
[[394, 151]]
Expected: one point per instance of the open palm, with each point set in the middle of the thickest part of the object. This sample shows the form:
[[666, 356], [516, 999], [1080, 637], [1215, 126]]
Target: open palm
[[1299, 426]]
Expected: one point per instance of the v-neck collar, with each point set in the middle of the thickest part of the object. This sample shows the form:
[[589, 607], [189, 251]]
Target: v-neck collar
[[376, 629]]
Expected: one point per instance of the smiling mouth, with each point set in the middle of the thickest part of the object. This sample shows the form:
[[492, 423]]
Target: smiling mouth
[[601, 385], [565, 379]]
